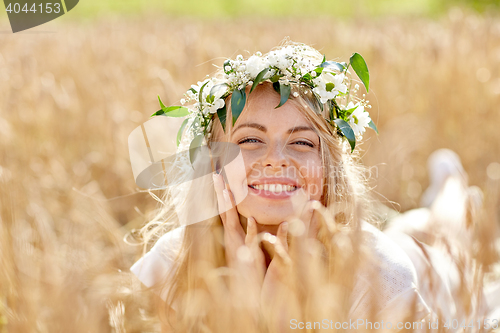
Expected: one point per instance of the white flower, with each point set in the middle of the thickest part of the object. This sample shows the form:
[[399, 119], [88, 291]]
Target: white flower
[[205, 106], [273, 58], [281, 58], [329, 85], [217, 104], [190, 95], [359, 119], [270, 73], [255, 65], [198, 86]]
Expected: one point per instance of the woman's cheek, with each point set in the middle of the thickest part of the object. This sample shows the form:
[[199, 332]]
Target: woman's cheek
[[313, 175], [236, 178], [251, 159]]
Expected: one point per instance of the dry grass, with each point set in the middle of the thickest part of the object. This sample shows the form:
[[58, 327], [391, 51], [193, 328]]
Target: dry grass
[[69, 100]]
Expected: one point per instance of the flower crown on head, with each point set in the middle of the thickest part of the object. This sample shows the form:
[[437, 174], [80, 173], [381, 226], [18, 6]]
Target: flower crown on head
[[328, 81]]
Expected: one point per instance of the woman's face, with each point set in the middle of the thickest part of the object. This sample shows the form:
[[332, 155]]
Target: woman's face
[[281, 153]]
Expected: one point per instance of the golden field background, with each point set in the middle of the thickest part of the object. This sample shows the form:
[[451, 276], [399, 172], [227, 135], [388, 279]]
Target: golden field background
[[70, 98]]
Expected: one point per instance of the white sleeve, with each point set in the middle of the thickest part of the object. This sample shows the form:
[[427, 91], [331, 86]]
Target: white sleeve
[[389, 280], [154, 267]]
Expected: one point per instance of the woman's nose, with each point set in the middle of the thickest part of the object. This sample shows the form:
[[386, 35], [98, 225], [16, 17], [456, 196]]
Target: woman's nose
[[275, 157]]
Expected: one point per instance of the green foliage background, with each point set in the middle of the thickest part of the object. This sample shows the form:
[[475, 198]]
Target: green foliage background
[[283, 8], [220, 9]]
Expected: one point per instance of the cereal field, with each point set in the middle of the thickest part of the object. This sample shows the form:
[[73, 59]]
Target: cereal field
[[71, 94]]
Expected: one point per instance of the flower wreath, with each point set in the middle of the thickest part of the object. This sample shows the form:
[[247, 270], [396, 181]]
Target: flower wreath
[[328, 81]]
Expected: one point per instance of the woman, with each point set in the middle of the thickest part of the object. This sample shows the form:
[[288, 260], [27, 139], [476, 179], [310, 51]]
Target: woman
[[289, 247]]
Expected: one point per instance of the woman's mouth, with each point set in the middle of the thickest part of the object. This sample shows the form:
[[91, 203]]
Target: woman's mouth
[[274, 188], [277, 188]]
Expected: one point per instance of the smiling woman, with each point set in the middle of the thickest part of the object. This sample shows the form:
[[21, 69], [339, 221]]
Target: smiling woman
[[291, 241], [282, 157]]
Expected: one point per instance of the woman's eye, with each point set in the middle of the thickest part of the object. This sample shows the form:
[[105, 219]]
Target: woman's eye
[[304, 143], [249, 140]]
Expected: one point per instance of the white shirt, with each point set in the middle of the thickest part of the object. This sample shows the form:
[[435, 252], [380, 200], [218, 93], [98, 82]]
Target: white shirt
[[390, 279]]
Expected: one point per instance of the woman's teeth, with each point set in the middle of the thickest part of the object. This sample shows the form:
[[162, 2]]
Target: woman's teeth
[[276, 188]]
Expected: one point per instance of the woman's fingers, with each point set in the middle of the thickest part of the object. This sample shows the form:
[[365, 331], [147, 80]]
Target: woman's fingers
[[252, 242], [311, 224], [234, 236], [277, 246], [251, 237], [302, 230], [242, 251], [278, 271], [282, 235], [226, 203], [232, 217]]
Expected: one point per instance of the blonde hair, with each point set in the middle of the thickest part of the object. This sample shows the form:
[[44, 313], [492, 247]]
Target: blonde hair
[[197, 285]]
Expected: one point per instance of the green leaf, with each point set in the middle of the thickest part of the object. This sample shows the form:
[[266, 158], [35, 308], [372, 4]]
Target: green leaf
[[334, 65], [332, 108], [163, 107], [181, 130], [217, 88], [324, 59], [171, 111], [372, 126], [194, 147], [192, 90], [359, 65], [200, 95], [196, 121], [348, 112], [276, 87], [158, 113], [335, 109], [237, 103], [222, 114], [307, 77], [259, 78], [347, 131], [176, 111], [274, 78], [319, 70], [284, 93]]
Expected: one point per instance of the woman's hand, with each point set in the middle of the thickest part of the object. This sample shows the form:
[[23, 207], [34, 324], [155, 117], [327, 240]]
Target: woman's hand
[[242, 250], [251, 281], [303, 228], [288, 262]]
